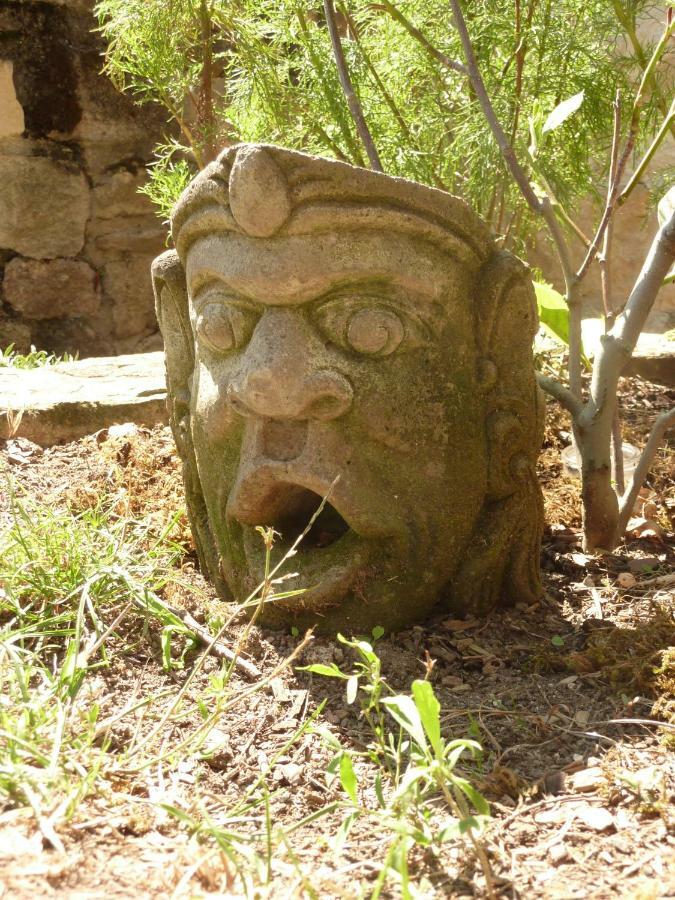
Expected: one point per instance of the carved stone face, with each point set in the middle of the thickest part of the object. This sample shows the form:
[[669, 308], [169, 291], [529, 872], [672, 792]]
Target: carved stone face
[[333, 362]]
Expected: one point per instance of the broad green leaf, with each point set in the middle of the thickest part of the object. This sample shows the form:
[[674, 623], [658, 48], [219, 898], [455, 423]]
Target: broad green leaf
[[330, 671], [429, 709], [348, 777], [377, 632], [563, 111], [553, 312], [403, 709]]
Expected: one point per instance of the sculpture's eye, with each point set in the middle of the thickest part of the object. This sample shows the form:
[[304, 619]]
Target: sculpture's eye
[[225, 326], [372, 330]]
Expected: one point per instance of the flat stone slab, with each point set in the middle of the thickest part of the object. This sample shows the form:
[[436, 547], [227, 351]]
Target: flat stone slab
[[55, 404], [654, 356], [654, 359]]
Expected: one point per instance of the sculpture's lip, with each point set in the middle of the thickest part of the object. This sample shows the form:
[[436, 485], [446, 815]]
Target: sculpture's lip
[[325, 562]]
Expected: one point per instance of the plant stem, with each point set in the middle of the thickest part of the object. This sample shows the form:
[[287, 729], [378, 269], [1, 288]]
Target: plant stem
[[414, 32], [348, 88], [664, 422], [649, 153]]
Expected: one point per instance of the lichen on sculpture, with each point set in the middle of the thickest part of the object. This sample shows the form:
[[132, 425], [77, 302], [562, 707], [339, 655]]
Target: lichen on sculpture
[[334, 331]]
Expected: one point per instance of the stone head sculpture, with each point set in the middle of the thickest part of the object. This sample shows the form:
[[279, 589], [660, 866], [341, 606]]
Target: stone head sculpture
[[326, 322]]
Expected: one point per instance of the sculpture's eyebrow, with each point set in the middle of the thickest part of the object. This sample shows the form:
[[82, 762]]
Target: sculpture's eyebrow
[[294, 271], [390, 290]]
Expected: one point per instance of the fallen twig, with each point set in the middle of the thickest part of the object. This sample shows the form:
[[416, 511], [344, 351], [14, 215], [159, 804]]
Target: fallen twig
[[216, 647]]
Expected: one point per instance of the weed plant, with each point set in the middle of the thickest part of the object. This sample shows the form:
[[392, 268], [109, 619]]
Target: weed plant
[[34, 359], [414, 768]]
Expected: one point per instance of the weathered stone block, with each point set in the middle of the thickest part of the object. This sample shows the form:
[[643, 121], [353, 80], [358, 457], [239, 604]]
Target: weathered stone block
[[332, 332], [50, 289], [117, 195], [128, 284], [11, 111], [15, 333], [44, 207]]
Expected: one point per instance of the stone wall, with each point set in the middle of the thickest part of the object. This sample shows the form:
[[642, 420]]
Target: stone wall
[[76, 239]]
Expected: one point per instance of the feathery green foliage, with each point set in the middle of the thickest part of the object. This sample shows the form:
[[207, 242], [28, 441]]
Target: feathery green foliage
[[263, 70]]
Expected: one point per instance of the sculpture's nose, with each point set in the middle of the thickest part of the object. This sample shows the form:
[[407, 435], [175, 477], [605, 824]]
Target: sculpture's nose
[[282, 376]]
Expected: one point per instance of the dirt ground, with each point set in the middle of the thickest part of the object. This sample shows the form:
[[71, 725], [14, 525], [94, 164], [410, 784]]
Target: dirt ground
[[572, 699]]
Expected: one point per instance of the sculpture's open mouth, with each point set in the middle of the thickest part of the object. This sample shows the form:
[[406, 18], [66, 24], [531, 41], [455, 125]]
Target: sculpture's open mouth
[[294, 519], [328, 556]]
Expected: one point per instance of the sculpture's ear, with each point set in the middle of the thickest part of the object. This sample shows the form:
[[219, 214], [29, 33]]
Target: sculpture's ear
[[502, 560], [506, 325], [171, 304]]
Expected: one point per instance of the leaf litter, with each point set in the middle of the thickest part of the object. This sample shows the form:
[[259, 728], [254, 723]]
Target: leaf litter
[[569, 698]]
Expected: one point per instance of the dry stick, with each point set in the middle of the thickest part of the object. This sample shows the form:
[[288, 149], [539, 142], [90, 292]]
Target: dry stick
[[348, 88], [217, 648], [205, 111], [665, 421]]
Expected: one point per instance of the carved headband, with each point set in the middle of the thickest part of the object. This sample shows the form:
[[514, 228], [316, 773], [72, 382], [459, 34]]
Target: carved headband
[[261, 191]]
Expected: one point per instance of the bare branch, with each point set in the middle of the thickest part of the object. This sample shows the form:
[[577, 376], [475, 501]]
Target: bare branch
[[517, 171], [605, 265], [628, 326], [440, 57], [617, 451], [542, 207], [665, 421], [612, 192], [563, 395], [649, 153], [348, 88]]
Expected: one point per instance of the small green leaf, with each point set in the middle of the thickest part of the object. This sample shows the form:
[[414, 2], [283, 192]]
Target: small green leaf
[[479, 802], [330, 671], [327, 736], [352, 688], [343, 832], [165, 642], [429, 709], [378, 790], [377, 632], [402, 708], [348, 777], [563, 111], [557, 641]]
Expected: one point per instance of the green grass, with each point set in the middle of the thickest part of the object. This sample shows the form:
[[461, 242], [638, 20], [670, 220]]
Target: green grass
[[67, 583], [81, 593], [34, 359]]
